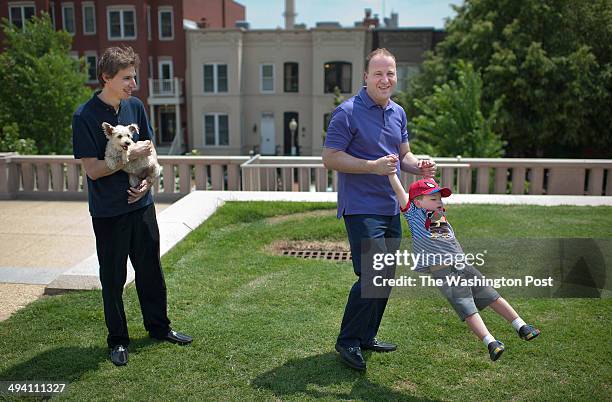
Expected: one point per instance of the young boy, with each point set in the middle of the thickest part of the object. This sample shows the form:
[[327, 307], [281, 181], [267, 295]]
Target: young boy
[[432, 234], [123, 217]]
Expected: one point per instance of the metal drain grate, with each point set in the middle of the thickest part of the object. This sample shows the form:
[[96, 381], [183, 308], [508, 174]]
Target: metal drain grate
[[319, 254]]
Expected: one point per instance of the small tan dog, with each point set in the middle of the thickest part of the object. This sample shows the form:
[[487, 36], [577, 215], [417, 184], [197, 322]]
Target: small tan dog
[[118, 150]]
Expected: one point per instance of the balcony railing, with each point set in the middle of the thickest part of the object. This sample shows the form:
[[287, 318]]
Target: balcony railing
[[62, 177], [169, 88]]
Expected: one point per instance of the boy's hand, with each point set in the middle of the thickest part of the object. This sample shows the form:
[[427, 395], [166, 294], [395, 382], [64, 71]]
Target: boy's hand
[[136, 193], [427, 168], [386, 165], [141, 148]]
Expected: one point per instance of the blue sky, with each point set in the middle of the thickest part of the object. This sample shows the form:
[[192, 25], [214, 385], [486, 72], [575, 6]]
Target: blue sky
[[412, 13]]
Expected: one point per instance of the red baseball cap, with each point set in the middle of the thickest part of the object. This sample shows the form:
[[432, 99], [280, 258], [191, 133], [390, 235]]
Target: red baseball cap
[[426, 186]]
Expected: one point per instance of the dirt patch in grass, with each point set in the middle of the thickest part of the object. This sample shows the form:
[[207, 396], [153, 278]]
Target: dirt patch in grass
[[279, 246], [16, 296], [405, 385]]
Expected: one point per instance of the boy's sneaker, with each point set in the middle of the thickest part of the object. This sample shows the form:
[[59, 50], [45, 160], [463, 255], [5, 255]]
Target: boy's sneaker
[[528, 332], [496, 348]]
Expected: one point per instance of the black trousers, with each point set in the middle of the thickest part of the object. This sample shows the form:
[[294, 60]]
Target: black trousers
[[135, 234], [367, 234]]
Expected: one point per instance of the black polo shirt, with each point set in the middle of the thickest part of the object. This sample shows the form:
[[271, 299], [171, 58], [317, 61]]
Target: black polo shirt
[[108, 195]]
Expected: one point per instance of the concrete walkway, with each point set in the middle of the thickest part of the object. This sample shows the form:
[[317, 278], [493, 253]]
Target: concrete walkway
[[50, 244], [39, 240]]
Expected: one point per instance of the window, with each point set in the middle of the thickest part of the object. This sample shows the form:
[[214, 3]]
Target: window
[[216, 129], [266, 73], [149, 22], [150, 67], [165, 75], [291, 77], [68, 18], [404, 73], [338, 74], [18, 14], [215, 78], [52, 14], [91, 60], [89, 19], [121, 23], [165, 69], [166, 25]]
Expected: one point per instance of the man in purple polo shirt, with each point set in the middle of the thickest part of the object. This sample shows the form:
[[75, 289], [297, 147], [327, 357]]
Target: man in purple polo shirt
[[365, 134]]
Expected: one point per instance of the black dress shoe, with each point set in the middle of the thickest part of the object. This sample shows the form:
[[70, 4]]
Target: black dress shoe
[[177, 337], [119, 355], [352, 357], [379, 346]]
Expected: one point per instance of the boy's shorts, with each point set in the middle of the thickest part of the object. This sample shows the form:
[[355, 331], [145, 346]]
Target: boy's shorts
[[466, 300]]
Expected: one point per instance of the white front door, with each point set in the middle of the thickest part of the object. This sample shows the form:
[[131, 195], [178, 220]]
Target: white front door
[[268, 138]]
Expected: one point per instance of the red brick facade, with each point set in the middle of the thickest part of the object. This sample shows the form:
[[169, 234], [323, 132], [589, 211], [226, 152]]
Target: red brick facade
[[146, 40]]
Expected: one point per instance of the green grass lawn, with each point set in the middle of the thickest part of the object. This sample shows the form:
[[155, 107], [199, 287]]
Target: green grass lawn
[[265, 326]]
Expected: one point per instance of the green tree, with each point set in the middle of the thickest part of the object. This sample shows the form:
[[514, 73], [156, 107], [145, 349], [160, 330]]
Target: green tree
[[451, 121], [41, 84], [338, 99], [546, 63]]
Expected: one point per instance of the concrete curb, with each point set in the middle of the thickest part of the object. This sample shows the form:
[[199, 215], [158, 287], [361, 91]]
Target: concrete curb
[[185, 215]]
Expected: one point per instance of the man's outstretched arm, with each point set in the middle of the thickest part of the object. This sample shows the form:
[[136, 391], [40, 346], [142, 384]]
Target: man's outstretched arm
[[342, 162], [409, 163]]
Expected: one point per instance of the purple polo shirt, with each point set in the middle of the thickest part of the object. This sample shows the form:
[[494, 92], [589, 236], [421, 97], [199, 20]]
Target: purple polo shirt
[[365, 130]]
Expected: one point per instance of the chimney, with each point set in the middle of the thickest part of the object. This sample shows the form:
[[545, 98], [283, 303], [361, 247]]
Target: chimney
[[289, 14]]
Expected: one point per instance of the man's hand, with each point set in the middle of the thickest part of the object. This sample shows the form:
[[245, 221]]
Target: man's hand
[[136, 193], [141, 148], [427, 168], [386, 165]]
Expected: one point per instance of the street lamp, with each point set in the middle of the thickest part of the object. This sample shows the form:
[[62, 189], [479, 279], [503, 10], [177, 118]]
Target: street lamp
[[293, 127]]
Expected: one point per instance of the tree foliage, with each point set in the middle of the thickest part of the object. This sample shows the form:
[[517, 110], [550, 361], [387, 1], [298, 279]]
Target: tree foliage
[[41, 84], [451, 121], [547, 65], [10, 141]]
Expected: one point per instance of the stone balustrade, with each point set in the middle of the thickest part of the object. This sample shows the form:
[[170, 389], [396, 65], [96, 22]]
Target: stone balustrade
[[62, 177]]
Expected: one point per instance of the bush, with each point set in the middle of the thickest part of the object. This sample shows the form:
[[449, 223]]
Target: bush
[[10, 141]]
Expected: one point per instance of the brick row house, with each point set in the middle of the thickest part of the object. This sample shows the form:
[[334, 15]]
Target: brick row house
[[228, 89], [156, 31]]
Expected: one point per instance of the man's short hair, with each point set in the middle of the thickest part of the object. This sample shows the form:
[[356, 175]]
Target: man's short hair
[[381, 51], [115, 59]]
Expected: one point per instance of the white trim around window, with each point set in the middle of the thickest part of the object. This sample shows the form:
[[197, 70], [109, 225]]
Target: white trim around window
[[21, 5], [52, 13], [165, 61], [91, 60], [161, 11], [89, 5], [68, 11], [266, 84], [122, 12], [217, 130], [166, 82]]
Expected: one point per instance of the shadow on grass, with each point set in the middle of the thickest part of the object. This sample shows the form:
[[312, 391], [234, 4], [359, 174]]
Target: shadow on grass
[[324, 376], [68, 363]]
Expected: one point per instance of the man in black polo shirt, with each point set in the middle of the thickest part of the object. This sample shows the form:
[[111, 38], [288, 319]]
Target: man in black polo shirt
[[123, 217]]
